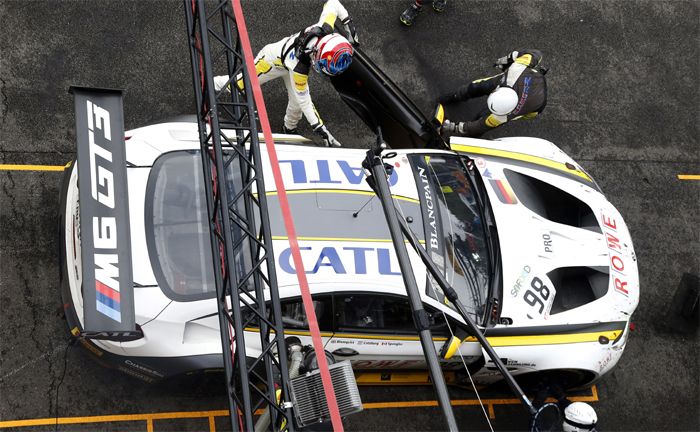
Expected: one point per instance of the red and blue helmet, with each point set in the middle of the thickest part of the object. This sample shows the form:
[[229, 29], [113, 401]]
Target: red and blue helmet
[[333, 55]]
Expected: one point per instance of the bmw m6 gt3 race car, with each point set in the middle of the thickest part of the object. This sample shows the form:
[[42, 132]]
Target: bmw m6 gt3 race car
[[554, 285]]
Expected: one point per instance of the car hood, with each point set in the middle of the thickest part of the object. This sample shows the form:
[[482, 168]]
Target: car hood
[[566, 253]]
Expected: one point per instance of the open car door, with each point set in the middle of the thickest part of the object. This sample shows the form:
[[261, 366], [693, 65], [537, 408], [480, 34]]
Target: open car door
[[379, 102]]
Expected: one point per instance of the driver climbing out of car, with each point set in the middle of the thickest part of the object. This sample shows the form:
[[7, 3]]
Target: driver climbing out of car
[[292, 59], [518, 92]]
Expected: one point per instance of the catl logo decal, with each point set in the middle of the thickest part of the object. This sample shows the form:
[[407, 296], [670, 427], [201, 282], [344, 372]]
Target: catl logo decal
[[104, 228], [324, 172], [342, 260]]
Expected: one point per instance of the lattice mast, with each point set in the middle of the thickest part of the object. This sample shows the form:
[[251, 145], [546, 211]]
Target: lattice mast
[[238, 219]]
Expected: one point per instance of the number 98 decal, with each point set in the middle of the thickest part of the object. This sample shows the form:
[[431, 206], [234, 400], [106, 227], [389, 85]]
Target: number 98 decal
[[538, 295]]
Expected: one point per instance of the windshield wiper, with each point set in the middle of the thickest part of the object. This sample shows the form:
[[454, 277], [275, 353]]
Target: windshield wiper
[[470, 276], [491, 236]]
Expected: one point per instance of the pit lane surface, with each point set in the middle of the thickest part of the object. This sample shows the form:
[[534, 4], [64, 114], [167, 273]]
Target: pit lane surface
[[623, 101]]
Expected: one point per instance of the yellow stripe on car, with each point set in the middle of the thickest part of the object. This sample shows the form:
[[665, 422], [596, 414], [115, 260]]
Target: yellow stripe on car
[[554, 339], [342, 191], [521, 157]]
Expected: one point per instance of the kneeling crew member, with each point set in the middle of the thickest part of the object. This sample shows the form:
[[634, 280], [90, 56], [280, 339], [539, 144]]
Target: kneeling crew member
[[291, 59], [519, 92]]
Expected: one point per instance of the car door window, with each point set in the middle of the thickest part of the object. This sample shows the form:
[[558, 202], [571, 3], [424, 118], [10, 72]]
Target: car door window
[[294, 315], [381, 314]]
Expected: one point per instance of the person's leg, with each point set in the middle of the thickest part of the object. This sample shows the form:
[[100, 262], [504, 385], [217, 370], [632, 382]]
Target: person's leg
[[476, 88], [439, 5], [410, 14]]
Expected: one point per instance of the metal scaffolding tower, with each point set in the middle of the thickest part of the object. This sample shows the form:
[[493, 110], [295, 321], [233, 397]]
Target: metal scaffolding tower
[[238, 218]]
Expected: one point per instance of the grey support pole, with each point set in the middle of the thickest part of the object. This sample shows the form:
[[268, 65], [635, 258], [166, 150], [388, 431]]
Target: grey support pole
[[378, 182], [451, 295]]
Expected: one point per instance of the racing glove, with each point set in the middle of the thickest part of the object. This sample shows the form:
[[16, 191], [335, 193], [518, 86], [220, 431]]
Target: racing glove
[[304, 38], [220, 81], [504, 62], [328, 139], [449, 128], [352, 31]]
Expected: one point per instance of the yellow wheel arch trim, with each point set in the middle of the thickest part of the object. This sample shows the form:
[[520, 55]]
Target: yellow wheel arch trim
[[521, 157]]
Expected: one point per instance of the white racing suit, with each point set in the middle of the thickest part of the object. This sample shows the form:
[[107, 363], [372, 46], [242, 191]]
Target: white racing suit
[[279, 60]]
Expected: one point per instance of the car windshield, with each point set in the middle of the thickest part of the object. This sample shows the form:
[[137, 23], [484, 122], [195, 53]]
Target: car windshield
[[176, 223], [454, 230]]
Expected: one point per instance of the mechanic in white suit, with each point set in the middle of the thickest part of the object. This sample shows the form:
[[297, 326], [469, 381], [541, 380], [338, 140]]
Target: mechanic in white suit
[[292, 58]]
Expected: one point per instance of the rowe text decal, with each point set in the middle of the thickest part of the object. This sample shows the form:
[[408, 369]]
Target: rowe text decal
[[104, 214]]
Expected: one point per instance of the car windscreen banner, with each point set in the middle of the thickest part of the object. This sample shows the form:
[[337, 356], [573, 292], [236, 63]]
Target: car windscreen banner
[[108, 298]]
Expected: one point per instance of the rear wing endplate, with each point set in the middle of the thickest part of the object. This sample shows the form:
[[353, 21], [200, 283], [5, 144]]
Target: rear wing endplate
[[108, 298]]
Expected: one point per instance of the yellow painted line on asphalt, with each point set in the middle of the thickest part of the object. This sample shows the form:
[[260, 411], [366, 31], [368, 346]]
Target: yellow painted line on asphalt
[[6, 167], [113, 418], [688, 177], [210, 415]]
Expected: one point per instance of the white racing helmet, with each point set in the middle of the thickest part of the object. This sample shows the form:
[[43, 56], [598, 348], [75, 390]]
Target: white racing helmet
[[579, 417], [502, 101], [332, 55]]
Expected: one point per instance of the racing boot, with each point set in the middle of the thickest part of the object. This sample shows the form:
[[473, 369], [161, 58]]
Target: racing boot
[[410, 14], [439, 5], [293, 131]]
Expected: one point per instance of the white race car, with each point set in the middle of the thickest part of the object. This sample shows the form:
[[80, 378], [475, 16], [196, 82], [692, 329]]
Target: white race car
[[554, 285]]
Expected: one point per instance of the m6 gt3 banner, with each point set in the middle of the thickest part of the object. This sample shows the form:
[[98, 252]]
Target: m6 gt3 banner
[[104, 215]]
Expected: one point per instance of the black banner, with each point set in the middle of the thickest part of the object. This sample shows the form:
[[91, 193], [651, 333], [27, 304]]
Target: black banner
[[108, 298]]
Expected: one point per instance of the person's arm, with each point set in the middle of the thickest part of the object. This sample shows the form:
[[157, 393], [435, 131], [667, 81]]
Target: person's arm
[[300, 82], [334, 10], [529, 58]]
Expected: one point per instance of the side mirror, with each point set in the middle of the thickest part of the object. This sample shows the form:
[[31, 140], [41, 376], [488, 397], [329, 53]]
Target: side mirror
[[438, 117], [449, 348]]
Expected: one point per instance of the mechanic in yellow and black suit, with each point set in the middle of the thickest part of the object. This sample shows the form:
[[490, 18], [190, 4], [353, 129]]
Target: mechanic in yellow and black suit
[[519, 92], [292, 58]]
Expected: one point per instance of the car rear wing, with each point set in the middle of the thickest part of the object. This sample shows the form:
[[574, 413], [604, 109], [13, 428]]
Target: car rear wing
[[108, 298], [380, 103]]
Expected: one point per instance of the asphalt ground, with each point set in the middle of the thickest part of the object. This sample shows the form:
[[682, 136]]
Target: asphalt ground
[[623, 101]]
